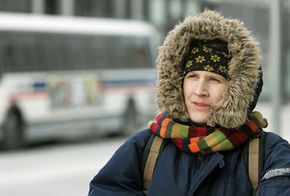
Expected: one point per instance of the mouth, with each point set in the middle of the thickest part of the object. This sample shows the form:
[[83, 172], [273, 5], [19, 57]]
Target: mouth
[[200, 106]]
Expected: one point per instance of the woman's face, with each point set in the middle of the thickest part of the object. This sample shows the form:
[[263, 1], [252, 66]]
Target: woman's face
[[202, 89]]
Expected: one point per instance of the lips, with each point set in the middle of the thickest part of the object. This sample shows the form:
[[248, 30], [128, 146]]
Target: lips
[[200, 105]]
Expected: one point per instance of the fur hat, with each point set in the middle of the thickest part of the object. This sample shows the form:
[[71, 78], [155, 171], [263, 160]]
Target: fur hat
[[245, 76]]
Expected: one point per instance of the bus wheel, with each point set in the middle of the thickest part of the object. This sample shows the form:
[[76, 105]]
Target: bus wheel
[[13, 131], [130, 119]]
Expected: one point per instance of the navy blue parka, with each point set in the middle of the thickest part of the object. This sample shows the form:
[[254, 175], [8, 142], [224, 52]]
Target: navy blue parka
[[183, 174]]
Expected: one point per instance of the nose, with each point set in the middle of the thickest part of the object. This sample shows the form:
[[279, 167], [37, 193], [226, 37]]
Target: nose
[[201, 88]]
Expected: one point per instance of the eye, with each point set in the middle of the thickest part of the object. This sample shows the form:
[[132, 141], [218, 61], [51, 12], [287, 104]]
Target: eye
[[191, 75], [214, 79]]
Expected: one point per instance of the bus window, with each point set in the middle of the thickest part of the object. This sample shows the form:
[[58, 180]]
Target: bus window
[[65, 77]]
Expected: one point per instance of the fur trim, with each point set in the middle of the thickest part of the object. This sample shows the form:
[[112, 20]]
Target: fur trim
[[231, 112]]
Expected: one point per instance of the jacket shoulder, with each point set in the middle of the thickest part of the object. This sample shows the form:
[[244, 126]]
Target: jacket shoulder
[[276, 172], [141, 137], [273, 141], [276, 152]]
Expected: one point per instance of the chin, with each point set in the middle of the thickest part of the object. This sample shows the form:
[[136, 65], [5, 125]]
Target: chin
[[199, 119]]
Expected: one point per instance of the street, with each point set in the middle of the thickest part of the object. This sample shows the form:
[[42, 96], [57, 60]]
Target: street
[[55, 169]]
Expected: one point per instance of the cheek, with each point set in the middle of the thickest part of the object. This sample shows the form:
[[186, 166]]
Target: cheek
[[219, 93], [185, 89]]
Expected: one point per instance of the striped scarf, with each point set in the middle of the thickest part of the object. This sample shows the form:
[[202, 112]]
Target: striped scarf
[[207, 140]]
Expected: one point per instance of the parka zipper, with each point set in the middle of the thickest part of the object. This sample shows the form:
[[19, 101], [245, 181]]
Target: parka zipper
[[216, 160]]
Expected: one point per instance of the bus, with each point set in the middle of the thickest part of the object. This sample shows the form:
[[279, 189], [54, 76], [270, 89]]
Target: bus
[[68, 77]]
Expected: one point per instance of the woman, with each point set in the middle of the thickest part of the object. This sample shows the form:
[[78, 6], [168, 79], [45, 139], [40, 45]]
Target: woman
[[209, 81]]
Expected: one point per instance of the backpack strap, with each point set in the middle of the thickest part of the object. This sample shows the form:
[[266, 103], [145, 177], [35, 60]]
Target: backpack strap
[[151, 153], [156, 144], [255, 160]]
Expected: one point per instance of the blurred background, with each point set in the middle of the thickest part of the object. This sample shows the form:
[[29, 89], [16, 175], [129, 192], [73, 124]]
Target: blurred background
[[77, 77]]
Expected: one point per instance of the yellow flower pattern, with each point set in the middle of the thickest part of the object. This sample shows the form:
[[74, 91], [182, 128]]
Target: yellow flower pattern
[[206, 49], [189, 64], [208, 68], [215, 58], [223, 69], [200, 59], [225, 55], [207, 58], [194, 50]]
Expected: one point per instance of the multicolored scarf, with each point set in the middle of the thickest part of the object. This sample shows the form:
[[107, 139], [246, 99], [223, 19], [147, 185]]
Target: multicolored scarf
[[207, 139]]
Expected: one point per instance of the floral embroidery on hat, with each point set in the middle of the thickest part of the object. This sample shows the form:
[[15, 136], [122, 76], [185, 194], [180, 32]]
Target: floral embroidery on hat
[[215, 58], [194, 50], [207, 57], [206, 49], [208, 68], [189, 64], [223, 69], [200, 59], [225, 55]]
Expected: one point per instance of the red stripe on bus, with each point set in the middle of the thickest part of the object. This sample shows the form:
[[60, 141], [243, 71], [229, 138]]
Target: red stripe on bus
[[132, 89], [28, 95]]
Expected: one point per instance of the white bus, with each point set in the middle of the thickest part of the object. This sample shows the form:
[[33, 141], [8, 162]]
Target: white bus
[[66, 77]]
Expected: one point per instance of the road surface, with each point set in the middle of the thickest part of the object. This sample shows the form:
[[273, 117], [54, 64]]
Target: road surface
[[54, 170]]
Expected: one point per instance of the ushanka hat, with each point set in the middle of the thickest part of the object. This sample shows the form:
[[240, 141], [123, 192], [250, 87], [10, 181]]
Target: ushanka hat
[[207, 55], [243, 71]]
